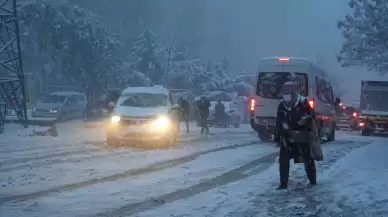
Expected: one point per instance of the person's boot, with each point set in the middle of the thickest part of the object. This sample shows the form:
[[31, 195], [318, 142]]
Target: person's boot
[[282, 186], [284, 169], [311, 172]]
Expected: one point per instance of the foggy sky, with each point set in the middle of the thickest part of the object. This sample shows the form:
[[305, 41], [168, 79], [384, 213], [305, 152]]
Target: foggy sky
[[244, 30]]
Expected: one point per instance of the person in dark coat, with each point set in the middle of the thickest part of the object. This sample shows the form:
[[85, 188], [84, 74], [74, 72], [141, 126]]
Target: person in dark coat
[[185, 112], [220, 112], [203, 106], [294, 117]]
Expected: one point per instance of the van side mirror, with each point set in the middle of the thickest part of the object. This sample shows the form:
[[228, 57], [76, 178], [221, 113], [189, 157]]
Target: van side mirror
[[337, 101], [175, 107]]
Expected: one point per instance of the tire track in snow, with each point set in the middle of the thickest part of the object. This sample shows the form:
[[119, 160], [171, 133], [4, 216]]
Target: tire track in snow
[[253, 168], [125, 174], [261, 164], [44, 158], [95, 152]]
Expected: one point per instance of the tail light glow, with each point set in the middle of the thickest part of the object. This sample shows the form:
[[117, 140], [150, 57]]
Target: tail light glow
[[361, 124], [354, 114], [253, 103], [343, 107], [311, 103]]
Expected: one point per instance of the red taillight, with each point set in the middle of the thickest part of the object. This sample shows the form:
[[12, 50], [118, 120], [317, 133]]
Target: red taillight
[[343, 107], [361, 124], [354, 114], [311, 103], [253, 103]]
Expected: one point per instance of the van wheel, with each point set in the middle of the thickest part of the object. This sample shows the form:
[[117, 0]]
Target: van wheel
[[264, 137]]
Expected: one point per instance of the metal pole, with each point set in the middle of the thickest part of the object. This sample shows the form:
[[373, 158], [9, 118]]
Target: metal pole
[[21, 72]]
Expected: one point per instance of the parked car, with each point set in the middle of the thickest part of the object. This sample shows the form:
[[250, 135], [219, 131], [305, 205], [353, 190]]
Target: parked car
[[232, 115], [61, 105]]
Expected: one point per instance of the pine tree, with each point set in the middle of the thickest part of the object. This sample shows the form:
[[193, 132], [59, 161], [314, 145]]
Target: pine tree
[[147, 55], [365, 32]]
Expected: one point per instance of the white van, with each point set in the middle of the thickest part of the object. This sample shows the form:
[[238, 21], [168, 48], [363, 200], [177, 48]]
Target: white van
[[144, 114], [314, 84]]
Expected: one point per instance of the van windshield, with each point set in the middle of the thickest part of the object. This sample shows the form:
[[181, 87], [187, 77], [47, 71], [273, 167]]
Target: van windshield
[[269, 84], [143, 100]]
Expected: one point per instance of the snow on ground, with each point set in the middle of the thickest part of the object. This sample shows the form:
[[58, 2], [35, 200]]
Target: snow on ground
[[78, 162], [226, 173], [115, 194], [256, 195], [42, 162], [360, 182]]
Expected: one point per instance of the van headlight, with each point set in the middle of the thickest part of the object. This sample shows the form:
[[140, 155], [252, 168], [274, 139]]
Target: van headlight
[[161, 123], [115, 119]]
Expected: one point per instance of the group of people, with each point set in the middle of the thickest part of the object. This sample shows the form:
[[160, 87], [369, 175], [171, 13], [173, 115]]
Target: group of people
[[296, 131], [203, 107]]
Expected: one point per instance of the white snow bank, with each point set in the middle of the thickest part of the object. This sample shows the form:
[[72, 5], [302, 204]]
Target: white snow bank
[[360, 180]]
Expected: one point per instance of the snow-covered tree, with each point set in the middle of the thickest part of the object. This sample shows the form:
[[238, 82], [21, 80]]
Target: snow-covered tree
[[180, 54], [147, 54], [244, 83], [72, 36], [366, 35]]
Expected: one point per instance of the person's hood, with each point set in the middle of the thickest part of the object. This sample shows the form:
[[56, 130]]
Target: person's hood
[[140, 112], [298, 99], [48, 106]]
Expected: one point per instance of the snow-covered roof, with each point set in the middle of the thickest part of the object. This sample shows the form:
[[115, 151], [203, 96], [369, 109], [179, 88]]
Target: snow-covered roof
[[151, 90], [66, 93]]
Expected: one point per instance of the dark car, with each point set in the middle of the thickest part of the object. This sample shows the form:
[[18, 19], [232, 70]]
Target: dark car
[[347, 118]]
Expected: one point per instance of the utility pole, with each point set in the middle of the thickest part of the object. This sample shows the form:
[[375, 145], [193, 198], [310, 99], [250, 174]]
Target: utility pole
[[12, 85]]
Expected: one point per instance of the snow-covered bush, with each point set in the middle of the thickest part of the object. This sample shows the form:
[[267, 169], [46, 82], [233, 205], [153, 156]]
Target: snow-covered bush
[[365, 32]]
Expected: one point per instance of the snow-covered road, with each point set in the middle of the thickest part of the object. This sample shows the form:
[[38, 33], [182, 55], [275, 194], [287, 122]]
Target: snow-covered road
[[228, 173]]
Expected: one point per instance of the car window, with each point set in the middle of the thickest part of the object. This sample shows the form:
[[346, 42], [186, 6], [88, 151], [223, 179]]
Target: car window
[[80, 98], [328, 93], [71, 99], [323, 91]]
